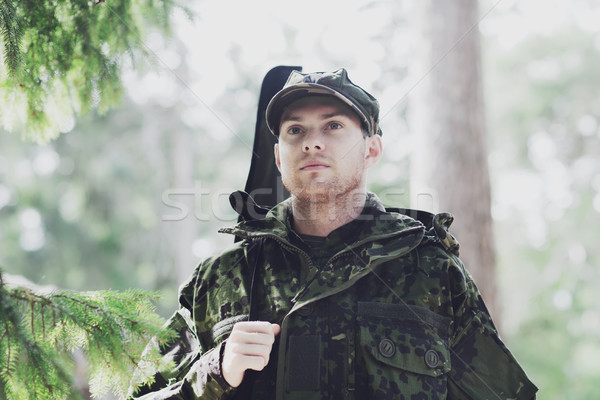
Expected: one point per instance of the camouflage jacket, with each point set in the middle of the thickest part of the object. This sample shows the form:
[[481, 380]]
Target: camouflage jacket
[[393, 315]]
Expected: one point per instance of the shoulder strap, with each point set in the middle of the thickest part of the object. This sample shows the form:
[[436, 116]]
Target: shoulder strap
[[254, 254]]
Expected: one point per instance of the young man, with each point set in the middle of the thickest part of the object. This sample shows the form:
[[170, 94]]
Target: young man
[[330, 296]]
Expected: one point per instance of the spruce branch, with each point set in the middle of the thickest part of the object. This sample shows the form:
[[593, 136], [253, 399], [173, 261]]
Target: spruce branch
[[110, 327], [65, 58], [10, 35]]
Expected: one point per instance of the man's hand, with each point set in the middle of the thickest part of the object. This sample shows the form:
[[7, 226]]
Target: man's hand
[[248, 347]]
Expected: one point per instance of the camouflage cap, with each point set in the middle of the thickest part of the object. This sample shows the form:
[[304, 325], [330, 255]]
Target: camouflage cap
[[336, 84]]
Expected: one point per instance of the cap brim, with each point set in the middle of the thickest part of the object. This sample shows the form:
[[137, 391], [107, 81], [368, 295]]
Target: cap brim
[[287, 96]]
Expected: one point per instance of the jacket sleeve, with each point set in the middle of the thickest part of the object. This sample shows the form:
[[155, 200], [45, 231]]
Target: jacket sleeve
[[189, 367], [482, 366]]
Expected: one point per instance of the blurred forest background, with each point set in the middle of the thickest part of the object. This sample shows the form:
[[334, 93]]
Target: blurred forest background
[[133, 197]]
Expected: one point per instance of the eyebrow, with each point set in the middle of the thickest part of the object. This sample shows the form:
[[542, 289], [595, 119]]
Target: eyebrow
[[294, 118]]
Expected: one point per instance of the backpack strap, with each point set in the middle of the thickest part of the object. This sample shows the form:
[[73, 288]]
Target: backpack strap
[[254, 255]]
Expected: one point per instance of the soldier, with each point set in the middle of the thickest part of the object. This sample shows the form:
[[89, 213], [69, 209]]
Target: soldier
[[330, 295]]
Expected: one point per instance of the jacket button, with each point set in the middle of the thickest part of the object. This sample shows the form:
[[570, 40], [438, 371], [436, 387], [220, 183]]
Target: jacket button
[[306, 310], [387, 348], [432, 359]]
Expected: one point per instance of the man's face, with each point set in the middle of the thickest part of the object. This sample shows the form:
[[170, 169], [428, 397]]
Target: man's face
[[322, 152]]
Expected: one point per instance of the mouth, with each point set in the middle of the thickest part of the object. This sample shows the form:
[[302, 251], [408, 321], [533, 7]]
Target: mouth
[[313, 166]]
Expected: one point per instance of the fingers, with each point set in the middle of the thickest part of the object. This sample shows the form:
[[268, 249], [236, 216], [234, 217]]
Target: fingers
[[251, 356], [252, 333], [248, 347], [276, 329], [254, 326]]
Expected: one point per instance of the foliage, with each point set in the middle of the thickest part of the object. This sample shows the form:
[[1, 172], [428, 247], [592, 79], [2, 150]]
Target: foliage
[[63, 58], [544, 119], [39, 331]]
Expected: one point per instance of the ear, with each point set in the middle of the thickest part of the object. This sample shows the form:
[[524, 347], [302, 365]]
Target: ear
[[277, 159], [373, 150]]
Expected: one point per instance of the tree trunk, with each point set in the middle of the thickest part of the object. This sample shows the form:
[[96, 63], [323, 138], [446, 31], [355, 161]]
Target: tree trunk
[[449, 167]]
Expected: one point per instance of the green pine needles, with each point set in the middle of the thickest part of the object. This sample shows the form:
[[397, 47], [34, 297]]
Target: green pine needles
[[39, 333], [63, 58]]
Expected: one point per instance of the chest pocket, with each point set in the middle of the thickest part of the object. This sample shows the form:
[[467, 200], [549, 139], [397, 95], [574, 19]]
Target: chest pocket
[[405, 350]]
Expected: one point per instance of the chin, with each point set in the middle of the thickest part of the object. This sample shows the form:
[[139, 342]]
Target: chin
[[320, 192]]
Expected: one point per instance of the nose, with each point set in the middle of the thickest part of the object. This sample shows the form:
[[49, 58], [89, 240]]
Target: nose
[[313, 141]]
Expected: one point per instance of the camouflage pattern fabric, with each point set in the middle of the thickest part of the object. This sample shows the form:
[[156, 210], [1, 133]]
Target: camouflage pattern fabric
[[393, 315]]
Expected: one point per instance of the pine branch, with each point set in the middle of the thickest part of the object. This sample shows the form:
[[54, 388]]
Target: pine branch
[[64, 58], [112, 328], [10, 34]]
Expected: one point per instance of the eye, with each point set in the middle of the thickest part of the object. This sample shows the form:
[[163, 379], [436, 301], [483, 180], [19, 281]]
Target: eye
[[335, 125], [294, 130]]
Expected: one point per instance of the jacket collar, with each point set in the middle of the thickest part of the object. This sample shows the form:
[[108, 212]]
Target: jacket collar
[[277, 222]]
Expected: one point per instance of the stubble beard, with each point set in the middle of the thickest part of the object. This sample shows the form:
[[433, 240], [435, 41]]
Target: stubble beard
[[333, 194]]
